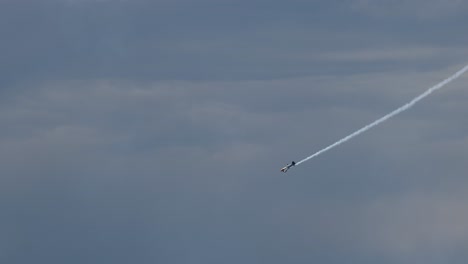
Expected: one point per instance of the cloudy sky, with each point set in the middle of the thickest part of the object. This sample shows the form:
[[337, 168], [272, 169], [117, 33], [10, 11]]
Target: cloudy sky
[[153, 131]]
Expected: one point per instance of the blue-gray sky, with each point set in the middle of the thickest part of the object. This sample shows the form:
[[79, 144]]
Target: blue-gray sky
[[154, 131]]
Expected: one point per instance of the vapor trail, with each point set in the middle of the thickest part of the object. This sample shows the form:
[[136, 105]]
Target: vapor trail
[[390, 115]]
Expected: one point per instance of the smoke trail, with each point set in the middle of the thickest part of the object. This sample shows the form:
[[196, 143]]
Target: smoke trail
[[391, 114]]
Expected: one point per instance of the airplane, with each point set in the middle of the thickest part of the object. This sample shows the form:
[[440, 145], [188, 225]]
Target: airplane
[[285, 169]]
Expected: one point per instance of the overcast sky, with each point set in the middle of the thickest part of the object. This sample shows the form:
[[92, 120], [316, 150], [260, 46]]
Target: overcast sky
[[153, 131]]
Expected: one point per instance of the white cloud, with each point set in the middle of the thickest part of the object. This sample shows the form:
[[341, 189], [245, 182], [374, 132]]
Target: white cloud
[[414, 224], [400, 54]]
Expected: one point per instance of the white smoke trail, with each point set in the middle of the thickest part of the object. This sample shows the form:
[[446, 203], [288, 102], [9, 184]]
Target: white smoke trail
[[391, 114]]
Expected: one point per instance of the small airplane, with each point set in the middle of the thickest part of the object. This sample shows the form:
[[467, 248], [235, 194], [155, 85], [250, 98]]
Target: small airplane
[[285, 169]]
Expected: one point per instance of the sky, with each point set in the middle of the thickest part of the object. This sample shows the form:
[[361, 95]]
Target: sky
[[153, 131]]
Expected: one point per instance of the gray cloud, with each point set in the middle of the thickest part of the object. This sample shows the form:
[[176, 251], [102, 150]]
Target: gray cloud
[[171, 170], [416, 9], [157, 40], [153, 131]]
